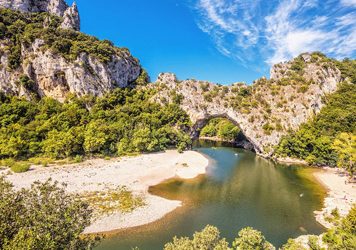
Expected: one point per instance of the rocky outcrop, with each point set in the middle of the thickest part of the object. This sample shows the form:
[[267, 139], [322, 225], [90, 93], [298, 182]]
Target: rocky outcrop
[[71, 18], [265, 111], [54, 76], [59, 8]]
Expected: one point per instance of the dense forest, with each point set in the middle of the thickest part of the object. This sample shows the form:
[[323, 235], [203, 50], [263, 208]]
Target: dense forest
[[122, 122]]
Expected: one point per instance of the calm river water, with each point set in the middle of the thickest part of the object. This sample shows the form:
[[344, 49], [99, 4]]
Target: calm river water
[[239, 190]]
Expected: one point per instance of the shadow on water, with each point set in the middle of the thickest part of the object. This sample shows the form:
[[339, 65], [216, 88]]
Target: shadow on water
[[239, 190]]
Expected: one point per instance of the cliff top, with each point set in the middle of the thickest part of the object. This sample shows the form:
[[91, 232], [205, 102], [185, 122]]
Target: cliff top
[[70, 14]]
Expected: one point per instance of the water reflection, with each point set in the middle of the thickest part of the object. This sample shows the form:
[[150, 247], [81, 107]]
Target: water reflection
[[239, 190]]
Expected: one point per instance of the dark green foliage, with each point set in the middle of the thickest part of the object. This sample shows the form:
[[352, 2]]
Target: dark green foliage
[[2, 30], [43, 217], [298, 64], [347, 68], [14, 59], [314, 140], [244, 92], [221, 128], [23, 28], [122, 122], [26, 82]]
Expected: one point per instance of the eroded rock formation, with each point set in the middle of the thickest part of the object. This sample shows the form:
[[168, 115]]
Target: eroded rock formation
[[265, 111], [54, 63], [54, 76], [59, 8]]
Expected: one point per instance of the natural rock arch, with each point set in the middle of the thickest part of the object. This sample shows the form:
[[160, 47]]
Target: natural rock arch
[[272, 107]]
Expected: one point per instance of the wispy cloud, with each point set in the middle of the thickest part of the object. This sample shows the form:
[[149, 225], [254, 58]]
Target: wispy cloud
[[348, 2], [267, 32]]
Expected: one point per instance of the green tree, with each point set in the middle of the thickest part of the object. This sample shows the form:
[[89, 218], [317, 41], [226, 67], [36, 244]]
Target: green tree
[[43, 217], [343, 236], [315, 141], [251, 239], [345, 147], [293, 245], [61, 144], [208, 239]]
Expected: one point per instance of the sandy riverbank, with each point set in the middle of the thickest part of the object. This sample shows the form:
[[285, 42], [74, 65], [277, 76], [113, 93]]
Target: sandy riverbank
[[136, 173], [341, 193]]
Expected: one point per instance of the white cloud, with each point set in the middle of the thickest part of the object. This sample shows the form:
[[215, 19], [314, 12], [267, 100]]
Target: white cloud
[[348, 2], [277, 30]]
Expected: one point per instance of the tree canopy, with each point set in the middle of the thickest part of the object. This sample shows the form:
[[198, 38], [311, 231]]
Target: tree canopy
[[42, 217], [121, 122]]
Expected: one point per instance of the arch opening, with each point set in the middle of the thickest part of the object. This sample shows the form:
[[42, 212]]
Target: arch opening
[[222, 128]]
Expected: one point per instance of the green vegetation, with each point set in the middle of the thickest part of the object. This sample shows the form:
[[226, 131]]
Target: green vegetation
[[43, 217], [209, 238], [298, 64], [293, 245], [23, 28], [328, 138], [342, 236], [122, 122], [119, 199], [20, 167], [347, 68], [221, 128], [251, 239]]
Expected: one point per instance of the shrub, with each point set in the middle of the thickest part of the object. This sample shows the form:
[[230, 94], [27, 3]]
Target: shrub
[[303, 89], [293, 245], [267, 128], [313, 243], [78, 159], [20, 167], [26, 82], [8, 162]]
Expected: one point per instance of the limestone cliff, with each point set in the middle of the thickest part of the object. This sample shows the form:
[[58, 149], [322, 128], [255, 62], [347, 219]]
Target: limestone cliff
[[59, 8], [41, 58], [265, 111]]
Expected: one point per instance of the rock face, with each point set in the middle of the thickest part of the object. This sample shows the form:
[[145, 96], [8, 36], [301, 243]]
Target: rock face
[[59, 8], [54, 76], [265, 111]]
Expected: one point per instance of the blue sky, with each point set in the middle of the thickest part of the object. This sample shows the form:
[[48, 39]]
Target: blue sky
[[223, 41]]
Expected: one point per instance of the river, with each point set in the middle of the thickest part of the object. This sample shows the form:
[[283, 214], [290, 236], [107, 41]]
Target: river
[[240, 189]]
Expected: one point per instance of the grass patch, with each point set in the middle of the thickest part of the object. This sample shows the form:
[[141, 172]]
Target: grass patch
[[113, 200], [44, 161]]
